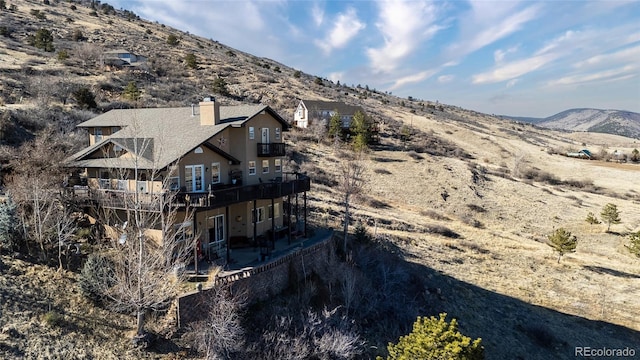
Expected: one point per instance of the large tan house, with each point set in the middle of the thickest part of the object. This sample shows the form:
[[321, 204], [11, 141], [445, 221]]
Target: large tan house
[[309, 112], [223, 162]]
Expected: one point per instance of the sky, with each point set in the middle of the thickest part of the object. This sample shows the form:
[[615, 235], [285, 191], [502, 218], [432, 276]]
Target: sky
[[518, 58]]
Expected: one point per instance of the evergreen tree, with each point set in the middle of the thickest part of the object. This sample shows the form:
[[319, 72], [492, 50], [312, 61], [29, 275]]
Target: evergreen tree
[[43, 39], [335, 125], [220, 86], [434, 338], [132, 92], [191, 61], [634, 244], [592, 219], [9, 229], [562, 242], [172, 40], [610, 215], [361, 130], [85, 98]]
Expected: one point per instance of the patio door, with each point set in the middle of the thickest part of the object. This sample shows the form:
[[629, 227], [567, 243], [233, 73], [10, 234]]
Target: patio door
[[194, 178], [265, 135], [216, 229]]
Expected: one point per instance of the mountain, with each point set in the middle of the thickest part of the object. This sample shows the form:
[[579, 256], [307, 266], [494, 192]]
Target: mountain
[[617, 122], [460, 202]]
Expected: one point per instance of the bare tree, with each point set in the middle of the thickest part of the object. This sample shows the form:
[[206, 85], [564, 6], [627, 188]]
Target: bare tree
[[220, 334], [351, 181], [153, 240]]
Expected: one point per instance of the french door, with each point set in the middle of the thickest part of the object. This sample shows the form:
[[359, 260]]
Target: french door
[[194, 178]]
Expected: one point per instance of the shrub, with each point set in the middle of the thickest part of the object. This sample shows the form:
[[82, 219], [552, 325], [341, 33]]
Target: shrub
[[52, 318], [96, 277], [85, 98], [43, 39], [297, 74], [73, 7], [172, 40], [220, 86], [191, 61], [63, 55], [77, 35], [434, 338], [634, 244], [37, 14], [5, 31]]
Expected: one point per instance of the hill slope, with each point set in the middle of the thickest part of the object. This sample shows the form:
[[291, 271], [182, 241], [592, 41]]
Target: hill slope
[[467, 197], [618, 122]]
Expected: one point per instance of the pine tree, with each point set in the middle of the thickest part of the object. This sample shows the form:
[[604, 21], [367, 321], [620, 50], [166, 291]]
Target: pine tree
[[132, 92], [562, 242], [592, 219], [634, 244], [335, 125], [360, 127], [610, 215], [434, 338], [9, 230]]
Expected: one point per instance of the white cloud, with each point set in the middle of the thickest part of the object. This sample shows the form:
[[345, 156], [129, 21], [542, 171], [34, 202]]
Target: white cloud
[[490, 22], [513, 69], [628, 55], [345, 28], [404, 25], [443, 79], [317, 13], [414, 78], [499, 55], [621, 73], [512, 83], [335, 76]]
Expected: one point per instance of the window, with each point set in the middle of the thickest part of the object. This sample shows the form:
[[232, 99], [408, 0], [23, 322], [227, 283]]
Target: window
[[252, 167], [277, 165], [270, 212], [277, 133], [265, 166], [216, 228], [114, 129], [252, 133], [194, 178], [215, 173], [276, 210], [97, 132], [259, 212], [123, 185], [141, 186], [174, 183]]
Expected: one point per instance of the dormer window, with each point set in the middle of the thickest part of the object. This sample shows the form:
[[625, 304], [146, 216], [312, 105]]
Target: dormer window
[[97, 132], [252, 133]]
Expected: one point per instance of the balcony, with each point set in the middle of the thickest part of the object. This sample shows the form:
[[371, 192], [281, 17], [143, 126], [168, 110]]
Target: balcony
[[271, 149], [225, 196]]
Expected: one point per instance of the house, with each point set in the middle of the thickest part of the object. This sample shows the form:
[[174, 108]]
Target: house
[[224, 162], [310, 111], [122, 57]]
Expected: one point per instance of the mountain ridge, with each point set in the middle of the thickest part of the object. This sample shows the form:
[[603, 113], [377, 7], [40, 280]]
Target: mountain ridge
[[609, 121]]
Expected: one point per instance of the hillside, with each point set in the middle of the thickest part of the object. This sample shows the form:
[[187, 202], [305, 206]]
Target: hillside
[[467, 200], [617, 122]]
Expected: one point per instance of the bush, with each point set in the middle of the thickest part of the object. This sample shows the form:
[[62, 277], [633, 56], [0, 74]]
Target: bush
[[85, 98], [172, 40], [43, 39], [63, 55], [434, 338], [191, 61], [96, 277], [52, 318]]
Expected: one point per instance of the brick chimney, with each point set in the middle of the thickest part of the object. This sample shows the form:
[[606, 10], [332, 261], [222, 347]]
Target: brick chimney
[[209, 111]]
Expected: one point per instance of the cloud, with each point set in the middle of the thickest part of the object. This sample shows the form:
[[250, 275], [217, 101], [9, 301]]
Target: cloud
[[499, 55], [489, 23], [317, 13], [513, 69], [628, 55], [512, 83], [443, 79], [404, 25], [620, 73], [413, 78], [345, 28]]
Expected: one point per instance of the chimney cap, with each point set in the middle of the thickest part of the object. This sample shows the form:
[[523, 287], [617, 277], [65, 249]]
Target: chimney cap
[[209, 98]]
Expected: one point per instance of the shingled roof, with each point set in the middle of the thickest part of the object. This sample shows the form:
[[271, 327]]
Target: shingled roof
[[163, 135], [319, 105]]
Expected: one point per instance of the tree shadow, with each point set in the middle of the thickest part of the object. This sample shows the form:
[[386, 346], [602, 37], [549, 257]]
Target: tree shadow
[[612, 272]]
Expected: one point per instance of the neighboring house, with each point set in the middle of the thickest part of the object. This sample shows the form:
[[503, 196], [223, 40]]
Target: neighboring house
[[122, 57], [310, 111], [228, 167], [582, 154]]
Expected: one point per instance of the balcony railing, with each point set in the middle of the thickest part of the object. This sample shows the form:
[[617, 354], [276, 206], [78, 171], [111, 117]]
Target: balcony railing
[[212, 199], [271, 149]]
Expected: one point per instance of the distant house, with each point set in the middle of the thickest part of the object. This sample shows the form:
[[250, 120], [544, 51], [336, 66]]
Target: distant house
[[310, 111], [122, 57], [582, 154]]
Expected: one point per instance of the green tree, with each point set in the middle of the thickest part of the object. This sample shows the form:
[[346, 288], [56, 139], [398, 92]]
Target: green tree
[[435, 338], [220, 86], [562, 242], [634, 244], [9, 226], [318, 81], [191, 61], [297, 74], [635, 155], [361, 129], [610, 215], [172, 40], [43, 39], [592, 219], [131, 92], [85, 98], [335, 125]]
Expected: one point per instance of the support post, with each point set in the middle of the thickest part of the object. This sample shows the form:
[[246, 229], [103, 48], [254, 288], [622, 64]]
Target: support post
[[305, 214], [226, 232]]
